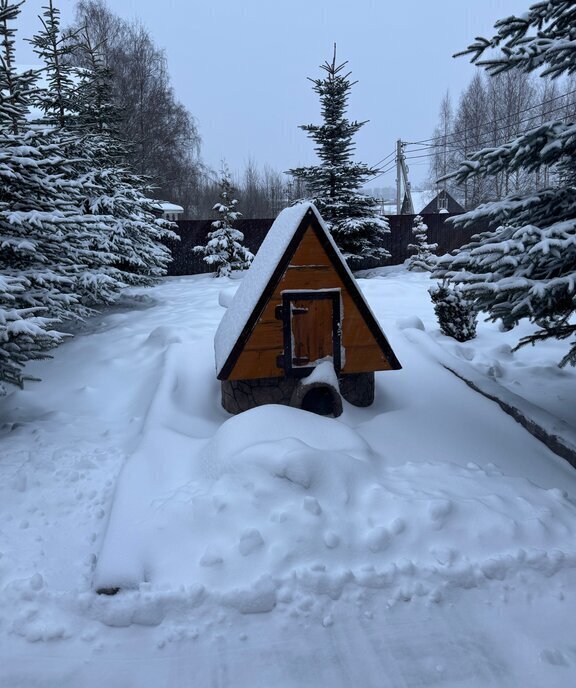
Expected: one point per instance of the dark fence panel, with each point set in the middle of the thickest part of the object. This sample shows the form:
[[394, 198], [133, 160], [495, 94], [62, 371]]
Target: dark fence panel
[[194, 232]]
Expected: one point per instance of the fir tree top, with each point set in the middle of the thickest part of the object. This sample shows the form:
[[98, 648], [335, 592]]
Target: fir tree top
[[334, 185], [334, 91], [58, 101]]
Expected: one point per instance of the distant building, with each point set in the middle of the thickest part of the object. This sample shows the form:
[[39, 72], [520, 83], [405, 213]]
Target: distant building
[[442, 203], [171, 211]]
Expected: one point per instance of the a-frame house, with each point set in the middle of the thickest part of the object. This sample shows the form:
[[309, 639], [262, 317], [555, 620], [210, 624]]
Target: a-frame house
[[299, 330]]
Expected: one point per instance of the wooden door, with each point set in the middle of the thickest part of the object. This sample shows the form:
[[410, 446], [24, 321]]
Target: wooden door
[[312, 329]]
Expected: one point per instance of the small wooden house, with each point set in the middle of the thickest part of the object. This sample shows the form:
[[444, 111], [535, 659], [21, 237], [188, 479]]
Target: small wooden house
[[299, 331]]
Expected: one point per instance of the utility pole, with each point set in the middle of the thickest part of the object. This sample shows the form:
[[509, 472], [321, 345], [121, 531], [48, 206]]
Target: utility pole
[[398, 176], [407, 189], [402, 175]]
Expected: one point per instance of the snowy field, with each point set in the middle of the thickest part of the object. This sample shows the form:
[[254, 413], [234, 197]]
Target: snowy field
[[428, 540]]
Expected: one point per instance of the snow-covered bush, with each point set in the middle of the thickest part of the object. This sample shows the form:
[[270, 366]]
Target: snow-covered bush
[[456, 315], [224, 249], [424, 258]]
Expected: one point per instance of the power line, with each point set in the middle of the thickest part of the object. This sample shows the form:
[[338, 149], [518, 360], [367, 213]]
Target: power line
[[451, 146], [488, 133], [374, 167], [520, 112], [386, 171]]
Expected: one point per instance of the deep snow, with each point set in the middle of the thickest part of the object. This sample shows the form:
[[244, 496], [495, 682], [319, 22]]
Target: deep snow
[[426, 540]]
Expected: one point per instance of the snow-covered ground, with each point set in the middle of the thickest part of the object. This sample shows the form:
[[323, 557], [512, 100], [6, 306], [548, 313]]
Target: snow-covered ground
[[428, 540]]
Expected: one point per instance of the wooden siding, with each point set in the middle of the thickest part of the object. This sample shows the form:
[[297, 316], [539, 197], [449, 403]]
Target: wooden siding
[[310, 268]]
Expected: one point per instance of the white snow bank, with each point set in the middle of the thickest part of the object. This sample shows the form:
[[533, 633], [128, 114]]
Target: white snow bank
[[555, 432], [430, 606], [410, 322], [281, 503]]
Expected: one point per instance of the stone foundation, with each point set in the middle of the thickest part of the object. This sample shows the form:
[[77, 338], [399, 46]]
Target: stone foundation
[[357, 388], [242, 395]]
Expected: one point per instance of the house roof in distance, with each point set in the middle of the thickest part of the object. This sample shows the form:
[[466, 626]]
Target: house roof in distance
[[452, 207], [168, 207]]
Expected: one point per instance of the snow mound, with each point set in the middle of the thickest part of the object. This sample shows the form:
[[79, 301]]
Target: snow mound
[[281, 502], [162, 336], [411, 321], [225, 296]]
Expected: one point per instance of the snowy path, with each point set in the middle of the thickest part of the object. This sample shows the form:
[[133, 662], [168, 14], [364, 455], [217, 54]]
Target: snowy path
[[500, 618]]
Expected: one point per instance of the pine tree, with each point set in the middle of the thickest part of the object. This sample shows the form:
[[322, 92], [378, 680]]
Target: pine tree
[[224, 249], [424, 258], [527, 267], [87, 259], [117, 220], [29, 233], [112, 188], [334, 184]]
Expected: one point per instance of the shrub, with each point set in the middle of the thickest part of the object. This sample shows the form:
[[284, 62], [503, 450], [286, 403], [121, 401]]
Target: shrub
[[456, 315]]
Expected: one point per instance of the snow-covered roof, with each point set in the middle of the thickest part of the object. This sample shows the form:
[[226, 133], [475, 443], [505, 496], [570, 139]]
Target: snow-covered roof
[[170, 207], [259, 275]]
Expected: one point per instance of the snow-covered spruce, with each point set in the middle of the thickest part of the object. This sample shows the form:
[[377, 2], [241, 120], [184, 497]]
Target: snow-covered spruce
[[75, 223], [78, 106], [224, 250], [456, 315], [526, 268], [33, 224], [424, 258], [334, 184]]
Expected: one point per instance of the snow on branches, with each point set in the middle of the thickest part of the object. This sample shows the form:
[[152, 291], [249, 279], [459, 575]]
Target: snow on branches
[[527, 267], [75, 223], [424, 258], [224, 250], [334, 185]]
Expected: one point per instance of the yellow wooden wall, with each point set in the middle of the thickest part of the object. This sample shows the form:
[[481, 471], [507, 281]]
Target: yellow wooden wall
[[310, 268]]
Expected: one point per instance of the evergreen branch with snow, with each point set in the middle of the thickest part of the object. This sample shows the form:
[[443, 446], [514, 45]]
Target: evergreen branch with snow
[[526, 268]]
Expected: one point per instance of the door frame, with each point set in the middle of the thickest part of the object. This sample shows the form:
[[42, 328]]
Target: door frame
[[310, 295]]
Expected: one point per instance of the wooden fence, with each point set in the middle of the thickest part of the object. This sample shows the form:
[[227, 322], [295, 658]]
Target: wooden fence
[[194, 232]]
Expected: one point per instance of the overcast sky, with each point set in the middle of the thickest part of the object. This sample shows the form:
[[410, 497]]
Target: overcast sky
[[241, 67]]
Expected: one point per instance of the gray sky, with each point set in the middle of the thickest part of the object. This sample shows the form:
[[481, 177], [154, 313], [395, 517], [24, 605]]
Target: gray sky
[[241, 68]]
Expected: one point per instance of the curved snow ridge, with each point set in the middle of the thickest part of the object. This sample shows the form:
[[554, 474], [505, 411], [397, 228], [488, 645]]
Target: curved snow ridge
[[46, 616], [278, 494], [183, 390]]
